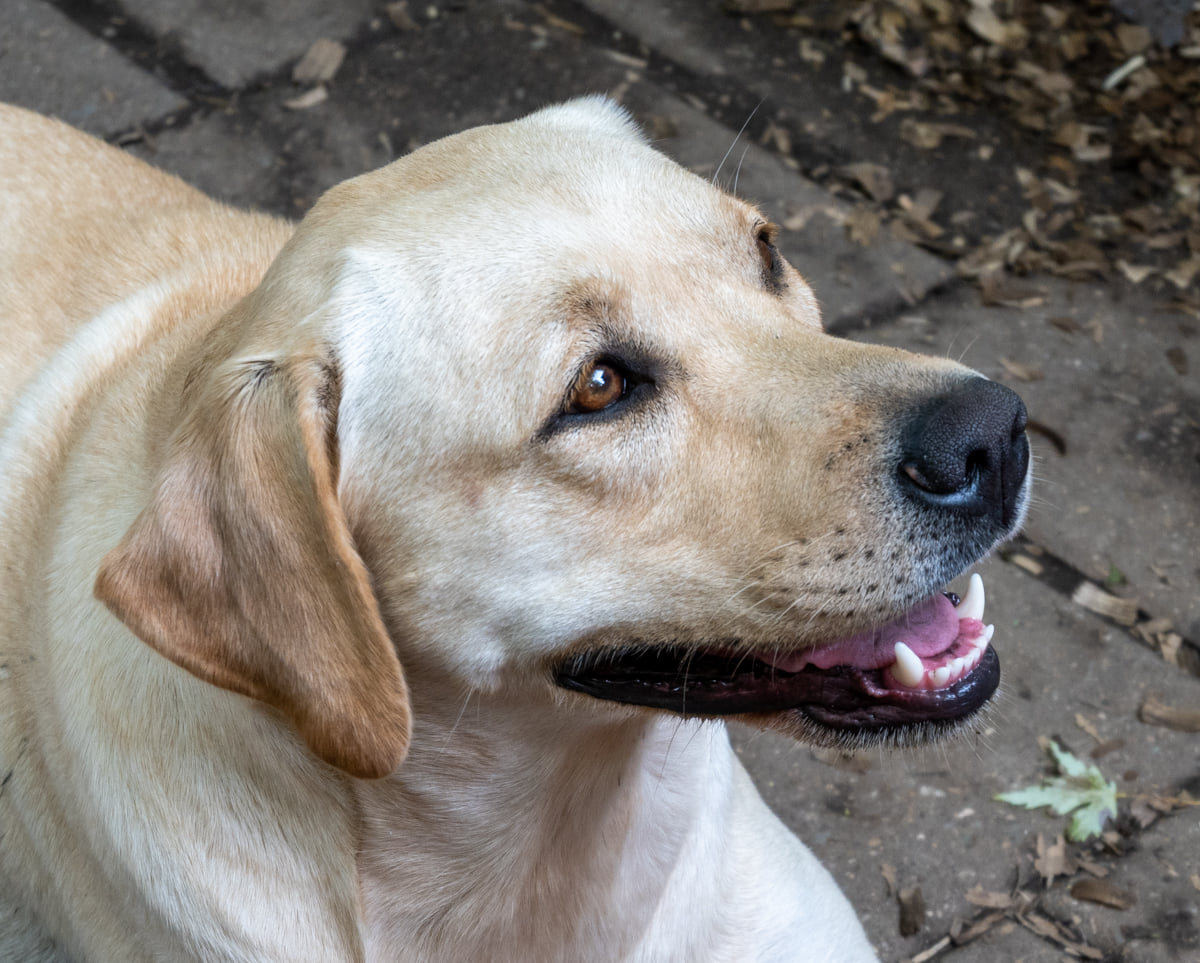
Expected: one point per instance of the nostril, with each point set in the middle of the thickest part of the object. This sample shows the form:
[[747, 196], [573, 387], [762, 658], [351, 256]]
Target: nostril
[[977, 464], [966, 450]]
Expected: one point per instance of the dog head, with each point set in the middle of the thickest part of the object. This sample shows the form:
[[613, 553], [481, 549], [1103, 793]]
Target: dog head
[[535, 407]]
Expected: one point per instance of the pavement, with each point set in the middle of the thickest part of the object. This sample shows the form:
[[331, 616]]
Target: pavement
[[1110, 372]]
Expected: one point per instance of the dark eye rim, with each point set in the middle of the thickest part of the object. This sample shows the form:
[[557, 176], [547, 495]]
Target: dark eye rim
[[639, 386], [571, 406]]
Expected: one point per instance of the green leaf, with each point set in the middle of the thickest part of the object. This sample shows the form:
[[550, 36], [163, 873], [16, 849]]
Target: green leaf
[[1081, 790]]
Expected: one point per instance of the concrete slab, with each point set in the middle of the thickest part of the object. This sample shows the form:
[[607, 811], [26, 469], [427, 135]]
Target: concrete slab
[[50, 65], [236, 42], [405, 89], [930, 814]]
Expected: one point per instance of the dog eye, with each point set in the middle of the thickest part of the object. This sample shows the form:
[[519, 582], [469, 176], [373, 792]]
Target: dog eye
[[599, 385]]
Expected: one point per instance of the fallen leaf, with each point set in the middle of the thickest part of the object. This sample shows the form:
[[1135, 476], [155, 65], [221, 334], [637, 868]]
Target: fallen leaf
[[875, 179], [912, 910], [1184, 273], [1087, 726], [1102, 891], [928, 135], [1080, 790], [1030, 565], [1053, 860], [984, 22], [962, 935], [320, 62], [400, 17], [862, 226], [1120, 610], [1154, 712], [1002, 289], [989, 899], [310, 98]]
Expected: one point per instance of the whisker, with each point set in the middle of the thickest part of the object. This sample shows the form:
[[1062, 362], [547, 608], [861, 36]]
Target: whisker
[[737, 173], [737, 137]]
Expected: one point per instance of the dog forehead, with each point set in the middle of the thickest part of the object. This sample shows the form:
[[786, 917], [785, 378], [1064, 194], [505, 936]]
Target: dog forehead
[[579, 170]]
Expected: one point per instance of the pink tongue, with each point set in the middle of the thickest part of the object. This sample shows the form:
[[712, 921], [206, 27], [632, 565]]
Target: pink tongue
[[928, 629]]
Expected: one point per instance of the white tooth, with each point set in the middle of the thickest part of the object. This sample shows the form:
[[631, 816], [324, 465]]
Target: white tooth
[[907, 669], [988, 631], [940, 677], [971, 606]]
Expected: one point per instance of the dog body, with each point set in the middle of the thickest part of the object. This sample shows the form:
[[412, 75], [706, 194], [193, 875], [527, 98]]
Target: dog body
[[368, 486]]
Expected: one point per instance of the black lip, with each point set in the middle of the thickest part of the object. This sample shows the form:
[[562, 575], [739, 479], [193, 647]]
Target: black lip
[[842, 698]]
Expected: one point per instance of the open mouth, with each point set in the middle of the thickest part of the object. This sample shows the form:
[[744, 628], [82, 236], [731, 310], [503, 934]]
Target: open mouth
[[933, 664]]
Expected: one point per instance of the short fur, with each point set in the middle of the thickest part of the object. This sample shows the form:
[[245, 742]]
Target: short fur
[[294, 529]]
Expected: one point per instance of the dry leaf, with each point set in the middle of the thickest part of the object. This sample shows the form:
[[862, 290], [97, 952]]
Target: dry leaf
[[1136, 273], [1087, 726], [1030, 565], [1156, 713], [310, 98], [1007, 291], [320, 63], [400, 17], [966, 934], [1121, 611], [928, 135], [912, 910], [875, 179], [1133, 38], [1053, 860], [1103, 892], [862, 226], [978, 896], [926, 955], [987, 26], [1184, 272]]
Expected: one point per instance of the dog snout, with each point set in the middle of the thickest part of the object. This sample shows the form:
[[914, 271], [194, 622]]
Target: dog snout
[[967, 452]]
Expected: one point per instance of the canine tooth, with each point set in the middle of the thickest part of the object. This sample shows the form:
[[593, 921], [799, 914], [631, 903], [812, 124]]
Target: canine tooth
[[971, 606], [988, 631], [940, 677], [907, 669]]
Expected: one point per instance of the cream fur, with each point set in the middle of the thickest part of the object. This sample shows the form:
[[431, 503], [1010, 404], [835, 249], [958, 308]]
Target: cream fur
[[311, 468]]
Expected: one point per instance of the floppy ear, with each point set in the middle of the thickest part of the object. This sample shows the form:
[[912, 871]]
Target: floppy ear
[[242, 569]]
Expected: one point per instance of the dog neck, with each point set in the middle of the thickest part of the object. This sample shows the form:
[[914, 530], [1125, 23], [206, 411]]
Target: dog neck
[[508, 827]]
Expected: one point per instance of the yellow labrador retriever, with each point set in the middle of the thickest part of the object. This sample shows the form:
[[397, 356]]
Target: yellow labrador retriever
[[369, 587]]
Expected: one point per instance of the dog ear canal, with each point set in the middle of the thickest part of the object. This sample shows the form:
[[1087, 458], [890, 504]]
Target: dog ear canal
[[242, 569]]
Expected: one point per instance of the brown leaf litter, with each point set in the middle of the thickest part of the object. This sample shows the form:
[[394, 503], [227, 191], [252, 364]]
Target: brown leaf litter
[[1113, 102]]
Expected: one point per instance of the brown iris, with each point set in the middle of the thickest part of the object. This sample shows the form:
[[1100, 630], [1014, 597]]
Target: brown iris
[[598, 386]]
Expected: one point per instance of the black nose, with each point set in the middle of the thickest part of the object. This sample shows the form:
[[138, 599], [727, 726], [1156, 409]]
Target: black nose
[[966, 451]]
